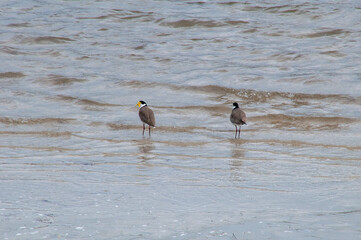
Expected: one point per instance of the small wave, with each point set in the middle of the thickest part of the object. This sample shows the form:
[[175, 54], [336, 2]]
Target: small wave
[[302, 144], [189, 23], [25, 24], [288, 56], [248, 95], [281, 9], [36, 148], [235, 22], [187, 129], [12, 75], [82, 101], [116, 126], [325, 33], [58, 80], [218, 109], [38, 133], [214, 2], [99, 17], [11, 51], [120, 15], [333, 53], [282, 121], [33, 121], [45, 40]]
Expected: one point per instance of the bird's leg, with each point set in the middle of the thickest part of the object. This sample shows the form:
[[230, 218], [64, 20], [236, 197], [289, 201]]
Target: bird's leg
[[235, 136], [149, 131], [143, 128], [239, 131]]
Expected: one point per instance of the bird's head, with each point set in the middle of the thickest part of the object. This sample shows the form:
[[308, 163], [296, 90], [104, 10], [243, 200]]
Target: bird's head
[[235, 105], [141, 104]]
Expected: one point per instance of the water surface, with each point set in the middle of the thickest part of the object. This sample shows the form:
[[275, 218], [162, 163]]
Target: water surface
[[74, 163]]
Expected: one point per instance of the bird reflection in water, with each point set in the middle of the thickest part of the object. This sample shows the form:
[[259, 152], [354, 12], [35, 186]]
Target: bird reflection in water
[[145, 147], [236, 163]]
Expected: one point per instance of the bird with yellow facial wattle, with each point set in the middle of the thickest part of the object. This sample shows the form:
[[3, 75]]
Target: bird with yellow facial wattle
[[146, 115]]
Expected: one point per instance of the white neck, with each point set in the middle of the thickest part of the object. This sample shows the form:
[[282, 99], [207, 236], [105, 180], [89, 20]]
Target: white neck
[[142, 105]]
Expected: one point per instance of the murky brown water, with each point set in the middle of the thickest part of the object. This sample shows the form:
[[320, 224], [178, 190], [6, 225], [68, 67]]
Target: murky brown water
[[74, 163]]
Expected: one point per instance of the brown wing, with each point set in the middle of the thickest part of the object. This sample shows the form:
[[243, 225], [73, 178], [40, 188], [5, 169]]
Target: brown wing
[[238, 117], [147, 116], [243, 117]]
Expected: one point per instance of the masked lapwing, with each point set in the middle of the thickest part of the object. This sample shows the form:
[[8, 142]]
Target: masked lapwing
[[146, 115], [238, 118]]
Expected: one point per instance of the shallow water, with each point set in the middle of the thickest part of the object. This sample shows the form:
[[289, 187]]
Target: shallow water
[[74, 163]]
